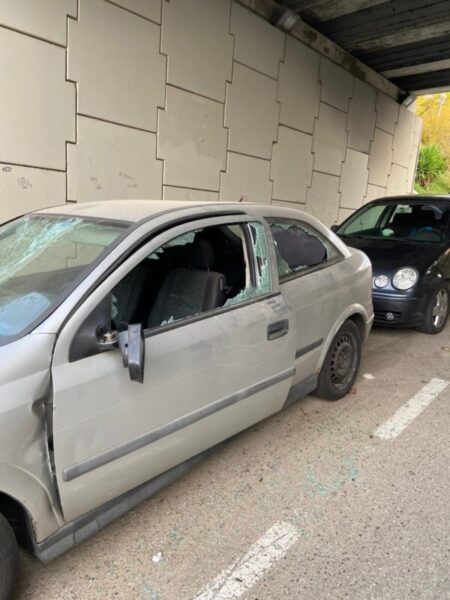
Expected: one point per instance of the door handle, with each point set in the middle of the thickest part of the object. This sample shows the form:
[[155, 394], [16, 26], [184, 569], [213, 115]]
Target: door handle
[[277, 329]]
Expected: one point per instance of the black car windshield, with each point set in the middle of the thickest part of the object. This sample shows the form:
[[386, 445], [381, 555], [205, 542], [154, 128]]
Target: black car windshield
[[42, 258], [405, 221]]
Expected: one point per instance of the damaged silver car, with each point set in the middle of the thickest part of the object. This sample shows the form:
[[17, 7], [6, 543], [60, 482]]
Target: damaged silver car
[[136, 335]]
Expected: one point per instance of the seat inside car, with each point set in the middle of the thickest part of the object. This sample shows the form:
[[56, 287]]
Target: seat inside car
[[403, 223], [126, 296], [190, 289]]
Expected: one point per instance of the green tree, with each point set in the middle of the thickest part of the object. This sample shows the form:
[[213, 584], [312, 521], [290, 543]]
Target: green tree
[[434, 155], [434, 109]]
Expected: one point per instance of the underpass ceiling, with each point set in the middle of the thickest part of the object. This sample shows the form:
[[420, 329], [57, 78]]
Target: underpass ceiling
[[406, 41]]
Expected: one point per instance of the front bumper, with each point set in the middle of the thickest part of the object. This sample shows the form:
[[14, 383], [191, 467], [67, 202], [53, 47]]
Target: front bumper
[[398, 311]]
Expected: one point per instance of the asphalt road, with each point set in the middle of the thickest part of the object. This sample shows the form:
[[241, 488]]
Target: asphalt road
[[361, 517]]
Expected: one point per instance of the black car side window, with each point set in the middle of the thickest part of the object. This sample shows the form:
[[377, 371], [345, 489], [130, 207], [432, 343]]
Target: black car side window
[[299, 247]]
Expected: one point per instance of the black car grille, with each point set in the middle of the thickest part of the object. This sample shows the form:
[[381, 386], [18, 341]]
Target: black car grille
[[383, 316]]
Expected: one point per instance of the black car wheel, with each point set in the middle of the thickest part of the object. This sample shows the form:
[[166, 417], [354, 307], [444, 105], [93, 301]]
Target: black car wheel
[[9, 559], [341, 363], [436, 314]]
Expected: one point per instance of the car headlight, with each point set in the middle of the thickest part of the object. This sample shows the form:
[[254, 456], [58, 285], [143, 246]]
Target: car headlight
[[381, 281], [405, 279]]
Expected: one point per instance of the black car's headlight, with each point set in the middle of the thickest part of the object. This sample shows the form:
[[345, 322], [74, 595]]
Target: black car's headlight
[[405, 279], [381, 281]]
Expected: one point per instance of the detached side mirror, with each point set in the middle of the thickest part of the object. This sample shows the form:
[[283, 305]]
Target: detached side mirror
[[132, 346]]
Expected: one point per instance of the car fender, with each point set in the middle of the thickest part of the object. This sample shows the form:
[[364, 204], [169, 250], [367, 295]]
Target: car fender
[[32, 495], [25, 460], [350, 311]]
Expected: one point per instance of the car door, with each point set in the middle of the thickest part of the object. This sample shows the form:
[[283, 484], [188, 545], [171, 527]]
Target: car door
[[206, 377], [310, 275]]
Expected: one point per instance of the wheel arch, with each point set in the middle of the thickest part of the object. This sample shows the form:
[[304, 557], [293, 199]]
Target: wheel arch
[[356, 313], [27, 506], [18, 517]]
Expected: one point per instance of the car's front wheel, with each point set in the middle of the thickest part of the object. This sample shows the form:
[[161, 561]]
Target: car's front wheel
[[341, 363], [9, 559], [436, 313]]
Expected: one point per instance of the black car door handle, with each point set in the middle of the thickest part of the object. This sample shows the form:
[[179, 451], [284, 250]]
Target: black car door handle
[[277, 329]]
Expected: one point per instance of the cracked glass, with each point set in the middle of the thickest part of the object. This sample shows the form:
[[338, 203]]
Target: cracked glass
[[41, 258]]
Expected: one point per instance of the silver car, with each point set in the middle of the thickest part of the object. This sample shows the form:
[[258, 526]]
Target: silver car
[[136, 335]]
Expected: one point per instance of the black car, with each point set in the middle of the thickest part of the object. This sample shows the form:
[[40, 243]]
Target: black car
[[407, 238]]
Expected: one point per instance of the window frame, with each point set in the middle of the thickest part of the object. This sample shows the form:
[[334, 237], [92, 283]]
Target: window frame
[[244, 222], [105, 285], [308, 270]]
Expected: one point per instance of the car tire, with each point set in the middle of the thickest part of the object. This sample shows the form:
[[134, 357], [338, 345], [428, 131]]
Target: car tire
[[341, 364], [436, 313], [9, 559]]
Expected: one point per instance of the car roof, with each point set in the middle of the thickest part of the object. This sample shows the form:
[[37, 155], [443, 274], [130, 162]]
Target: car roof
[[134, 211], [121, 210], [414, 198]]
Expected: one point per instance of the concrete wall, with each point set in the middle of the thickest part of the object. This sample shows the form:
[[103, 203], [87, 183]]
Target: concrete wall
[[187, 99]]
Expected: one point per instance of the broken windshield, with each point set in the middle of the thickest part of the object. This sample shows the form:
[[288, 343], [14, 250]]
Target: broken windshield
[[41, 259]]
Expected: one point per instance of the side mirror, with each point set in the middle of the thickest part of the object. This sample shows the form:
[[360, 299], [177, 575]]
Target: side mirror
[[95, 333], [334, 228], [132, 346]]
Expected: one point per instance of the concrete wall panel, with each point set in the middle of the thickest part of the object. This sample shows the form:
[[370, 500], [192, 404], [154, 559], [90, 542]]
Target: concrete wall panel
[[192, 140], [374, 192], [150, 9], [112, 161], [247, 179], [34, 123], [361, 117], [203, 93], [330, 140], [46, 19], [353, 185], [380, 158], [323, 198], [257, 43], [251, 112], [178, 193], [404, 137], [114, 57], [397, 181], [387, 113], [337, 85], [299, 87], [292, 165], [23, 189], [343, 214], [417, 131], [411, 171], [198, 44]]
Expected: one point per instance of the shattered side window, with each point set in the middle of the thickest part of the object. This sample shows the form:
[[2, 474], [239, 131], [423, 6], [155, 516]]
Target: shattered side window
[[299, 247], [194, 273], [262, 283]]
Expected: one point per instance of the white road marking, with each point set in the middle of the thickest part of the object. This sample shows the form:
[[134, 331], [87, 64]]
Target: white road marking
[[245, 572], [412, 409]]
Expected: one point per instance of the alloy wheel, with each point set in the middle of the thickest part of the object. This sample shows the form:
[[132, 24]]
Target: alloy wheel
[[440, 308]]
